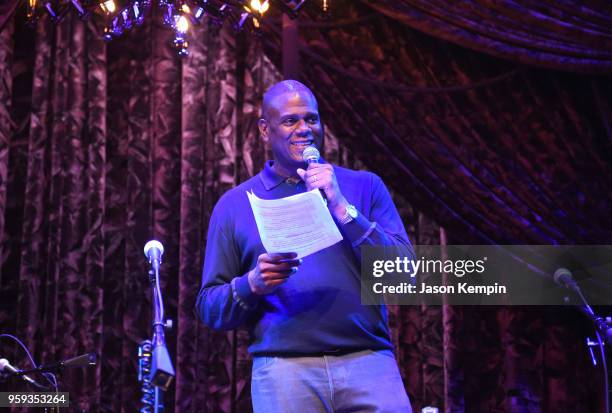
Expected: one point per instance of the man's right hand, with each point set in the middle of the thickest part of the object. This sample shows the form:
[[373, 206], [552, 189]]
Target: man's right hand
[[271, 271]]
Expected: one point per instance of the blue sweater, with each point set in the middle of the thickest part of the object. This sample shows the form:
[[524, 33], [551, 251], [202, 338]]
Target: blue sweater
[[318, 310]]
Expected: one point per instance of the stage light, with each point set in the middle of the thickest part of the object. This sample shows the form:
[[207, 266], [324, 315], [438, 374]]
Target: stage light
[[31, 16], [243, 19], [108, 7], [137, 13], [54, 15], [80, 10], [260, 6], [169, 15], [57, 14], [139, 10], [117, 28], [215, 10], [122, 15], [107, 33], [181, 24], [181, 45], [255, 8], [198, 14], [194, 16], [127, 20], [31, 4], [31, 9]]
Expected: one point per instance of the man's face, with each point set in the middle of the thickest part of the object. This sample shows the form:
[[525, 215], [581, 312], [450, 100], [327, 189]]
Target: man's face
[[292, 124]]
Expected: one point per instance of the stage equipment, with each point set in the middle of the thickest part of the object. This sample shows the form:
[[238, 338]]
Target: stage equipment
[[155, 365], [147, 400], [120, 16], [7, 369], [84, 360], [603, 327], [181, 26]]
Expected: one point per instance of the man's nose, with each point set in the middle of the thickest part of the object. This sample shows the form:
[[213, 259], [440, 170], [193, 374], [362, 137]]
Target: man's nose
[[302, 127]]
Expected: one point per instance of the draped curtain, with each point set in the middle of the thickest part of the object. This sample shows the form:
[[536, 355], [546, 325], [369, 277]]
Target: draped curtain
[[104, 146], [566, 35]]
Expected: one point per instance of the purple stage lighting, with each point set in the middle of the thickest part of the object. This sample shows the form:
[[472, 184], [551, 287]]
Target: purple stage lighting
[[127, 20], [79, 8]]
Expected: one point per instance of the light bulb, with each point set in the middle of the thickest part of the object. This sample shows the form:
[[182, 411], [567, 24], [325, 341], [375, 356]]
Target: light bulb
[[260, 6], [108, 6], [182, 24]]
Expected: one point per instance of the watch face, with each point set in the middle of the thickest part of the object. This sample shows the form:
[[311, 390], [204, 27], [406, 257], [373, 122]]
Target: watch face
[[352, 211]]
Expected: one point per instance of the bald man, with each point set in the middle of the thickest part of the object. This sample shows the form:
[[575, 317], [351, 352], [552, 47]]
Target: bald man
[[315, 347]]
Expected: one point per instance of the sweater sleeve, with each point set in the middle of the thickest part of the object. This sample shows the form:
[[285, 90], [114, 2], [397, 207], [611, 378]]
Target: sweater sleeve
[[383, 225], [225, 300]]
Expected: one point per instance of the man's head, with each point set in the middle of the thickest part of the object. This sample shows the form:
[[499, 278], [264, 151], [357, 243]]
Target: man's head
[[290, 122]]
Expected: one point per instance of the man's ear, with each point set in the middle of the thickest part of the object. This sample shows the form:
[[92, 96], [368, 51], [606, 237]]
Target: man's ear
[[264, 130]]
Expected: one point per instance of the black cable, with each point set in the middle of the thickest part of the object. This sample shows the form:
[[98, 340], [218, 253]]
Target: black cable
[[47, 376]]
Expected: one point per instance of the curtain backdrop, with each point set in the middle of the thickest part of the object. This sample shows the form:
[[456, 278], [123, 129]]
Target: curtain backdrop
[[573, 35], [104, 146]]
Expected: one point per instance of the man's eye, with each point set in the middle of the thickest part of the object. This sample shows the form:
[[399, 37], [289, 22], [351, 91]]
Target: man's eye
[[313, 120], [289, 121]]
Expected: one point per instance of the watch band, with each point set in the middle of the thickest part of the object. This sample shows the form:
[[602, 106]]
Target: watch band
[[349, 215], [236, 297]]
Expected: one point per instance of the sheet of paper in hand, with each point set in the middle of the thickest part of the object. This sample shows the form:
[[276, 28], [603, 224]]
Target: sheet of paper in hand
[[299, 223]]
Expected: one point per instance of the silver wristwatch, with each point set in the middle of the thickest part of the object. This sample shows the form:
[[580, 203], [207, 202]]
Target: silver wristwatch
[[349, 215]]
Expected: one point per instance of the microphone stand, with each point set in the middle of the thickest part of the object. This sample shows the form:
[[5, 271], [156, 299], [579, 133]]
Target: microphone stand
[[154, 360], [603, 327], [89, 359]]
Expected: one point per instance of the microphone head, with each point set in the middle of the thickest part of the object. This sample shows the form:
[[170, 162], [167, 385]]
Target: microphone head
[[151, 245], [88, 359], [3, 364], [563, 277], [311, 154]]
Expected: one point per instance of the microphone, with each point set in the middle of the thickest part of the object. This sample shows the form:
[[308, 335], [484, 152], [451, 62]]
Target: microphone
[[89, 359], [154, 250], [5, 365], [311, 155], [563, 277]]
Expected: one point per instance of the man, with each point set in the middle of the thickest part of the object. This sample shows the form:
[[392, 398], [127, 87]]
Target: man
[[315, 347]]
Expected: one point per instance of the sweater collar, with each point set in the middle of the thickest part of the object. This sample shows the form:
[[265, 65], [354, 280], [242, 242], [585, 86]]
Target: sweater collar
[[271, 179]]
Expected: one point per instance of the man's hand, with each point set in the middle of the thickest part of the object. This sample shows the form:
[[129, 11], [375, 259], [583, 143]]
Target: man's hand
[[271, 271], [322, 176]]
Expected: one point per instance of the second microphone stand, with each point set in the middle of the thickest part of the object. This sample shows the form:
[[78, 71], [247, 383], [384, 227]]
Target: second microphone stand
[[603, 332], [154, 355]]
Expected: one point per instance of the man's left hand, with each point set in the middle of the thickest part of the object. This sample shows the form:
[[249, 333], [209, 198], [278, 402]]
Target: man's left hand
[[322, 176]]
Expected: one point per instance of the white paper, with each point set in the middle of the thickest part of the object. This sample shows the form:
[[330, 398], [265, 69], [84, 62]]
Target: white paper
[[299, 223]]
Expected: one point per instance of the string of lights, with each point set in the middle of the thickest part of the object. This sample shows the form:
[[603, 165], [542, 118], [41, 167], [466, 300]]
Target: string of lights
[[120, 16]]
